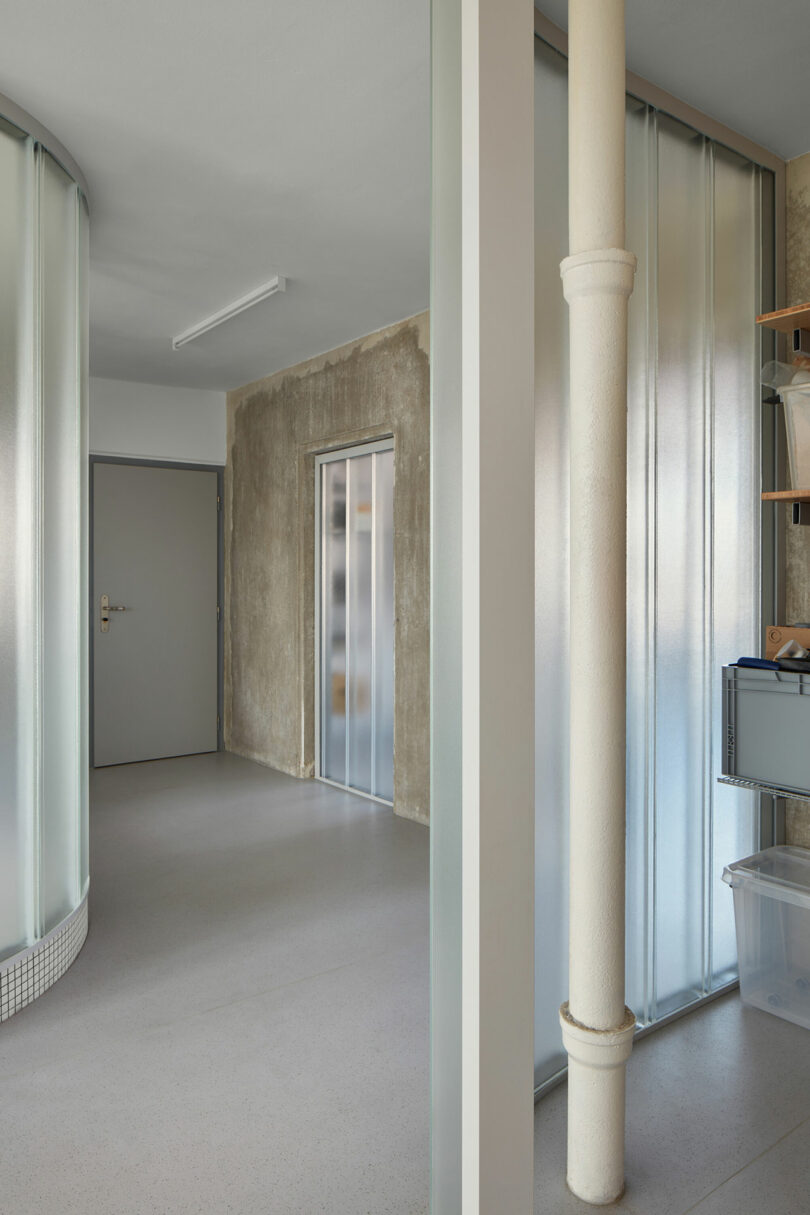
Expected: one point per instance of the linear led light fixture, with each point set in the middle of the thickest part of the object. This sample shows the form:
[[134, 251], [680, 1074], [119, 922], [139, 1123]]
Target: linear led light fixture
[[218, 318]]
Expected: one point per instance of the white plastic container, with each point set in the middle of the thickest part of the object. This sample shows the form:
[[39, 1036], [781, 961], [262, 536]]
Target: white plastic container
[[772, 917], [797, 428]]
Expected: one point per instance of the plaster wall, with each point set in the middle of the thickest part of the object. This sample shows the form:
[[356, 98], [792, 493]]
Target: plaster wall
[[366, 390], [156, 422], [797, 539]]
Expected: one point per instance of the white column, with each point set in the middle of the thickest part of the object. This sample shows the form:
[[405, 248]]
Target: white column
[[482, 810], [597, 280]]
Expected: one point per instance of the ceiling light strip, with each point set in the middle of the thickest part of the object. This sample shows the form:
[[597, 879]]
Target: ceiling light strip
[[230, 310]]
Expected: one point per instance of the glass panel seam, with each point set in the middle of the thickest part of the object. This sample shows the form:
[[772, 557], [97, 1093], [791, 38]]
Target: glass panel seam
[[708, 564], [37, 488]]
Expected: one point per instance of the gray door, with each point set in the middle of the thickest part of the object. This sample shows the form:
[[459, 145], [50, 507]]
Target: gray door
[[155, 663]]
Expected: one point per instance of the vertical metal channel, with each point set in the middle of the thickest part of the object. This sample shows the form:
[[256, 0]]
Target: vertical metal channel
[[708, 566], [373, 698], [651, 594]]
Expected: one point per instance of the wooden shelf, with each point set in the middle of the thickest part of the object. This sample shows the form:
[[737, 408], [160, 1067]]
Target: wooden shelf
[[787, 319], [787, 495]]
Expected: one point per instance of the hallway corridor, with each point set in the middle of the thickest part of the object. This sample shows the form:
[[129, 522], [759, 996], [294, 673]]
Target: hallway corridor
[[246, 1028]]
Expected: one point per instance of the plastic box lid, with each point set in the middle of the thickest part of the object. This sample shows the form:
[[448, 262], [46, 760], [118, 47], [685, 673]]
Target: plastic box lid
[[782, 872]]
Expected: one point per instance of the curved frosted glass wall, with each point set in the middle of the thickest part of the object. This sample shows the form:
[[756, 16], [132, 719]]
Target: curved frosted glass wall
[[43, 457], [697, 219]]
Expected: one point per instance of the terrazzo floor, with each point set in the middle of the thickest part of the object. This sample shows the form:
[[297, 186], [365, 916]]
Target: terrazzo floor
[[718, 1120], [246, 1030]]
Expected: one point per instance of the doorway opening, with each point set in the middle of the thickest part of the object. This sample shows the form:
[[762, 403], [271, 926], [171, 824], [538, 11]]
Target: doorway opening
[[354, 619]]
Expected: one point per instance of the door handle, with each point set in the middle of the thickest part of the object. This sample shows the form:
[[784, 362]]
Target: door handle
[[106, 608]]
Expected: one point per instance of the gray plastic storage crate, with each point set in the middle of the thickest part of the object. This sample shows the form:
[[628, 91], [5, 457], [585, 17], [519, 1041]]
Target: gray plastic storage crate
[[766, 728]]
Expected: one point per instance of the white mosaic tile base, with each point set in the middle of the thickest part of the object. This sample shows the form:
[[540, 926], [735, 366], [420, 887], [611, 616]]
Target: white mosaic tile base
[[28, 974]]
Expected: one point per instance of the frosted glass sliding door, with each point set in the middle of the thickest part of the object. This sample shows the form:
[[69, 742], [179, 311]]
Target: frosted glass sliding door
[[695, 220], [43, 455], [355, 581]]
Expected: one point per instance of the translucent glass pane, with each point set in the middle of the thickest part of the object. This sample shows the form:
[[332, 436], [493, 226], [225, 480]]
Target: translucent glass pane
[[693, 557], [736, 484], [18, 548], [359, 519], [383, 773], [551, 559], [333, 621], [683, 494], [62, 755], [642, 169]]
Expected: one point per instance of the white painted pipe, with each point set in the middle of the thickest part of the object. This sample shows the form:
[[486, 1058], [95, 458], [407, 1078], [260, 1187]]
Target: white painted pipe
[[597, 281]]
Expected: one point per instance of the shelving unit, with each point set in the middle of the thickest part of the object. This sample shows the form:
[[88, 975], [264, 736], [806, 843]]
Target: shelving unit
[[773, 790], [787, 495], [787, 319]]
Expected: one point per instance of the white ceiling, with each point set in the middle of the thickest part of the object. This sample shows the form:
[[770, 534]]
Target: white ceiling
[[743, 62], [225, 142]]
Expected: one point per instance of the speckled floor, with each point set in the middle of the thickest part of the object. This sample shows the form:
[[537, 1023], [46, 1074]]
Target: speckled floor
[[718, 1120], [246, 1028]]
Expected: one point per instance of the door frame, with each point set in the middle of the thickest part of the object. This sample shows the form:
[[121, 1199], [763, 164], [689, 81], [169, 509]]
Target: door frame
[[386, 443], [172, 464]]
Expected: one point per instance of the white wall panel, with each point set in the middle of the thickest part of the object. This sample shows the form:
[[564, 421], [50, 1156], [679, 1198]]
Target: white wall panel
[[153, 422]]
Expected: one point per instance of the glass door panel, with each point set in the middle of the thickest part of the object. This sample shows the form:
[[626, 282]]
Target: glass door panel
[[333, 621], [356, 628]]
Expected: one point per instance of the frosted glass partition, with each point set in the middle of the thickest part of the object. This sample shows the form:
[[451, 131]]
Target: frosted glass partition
[[355, 578], [360, 626], [333, 621], [17, 702], [43, 452], [63, 762], [383, 690], [694, 219]]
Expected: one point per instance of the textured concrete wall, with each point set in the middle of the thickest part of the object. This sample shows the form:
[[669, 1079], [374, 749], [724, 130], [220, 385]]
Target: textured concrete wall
[[797, 539], [371, 388]]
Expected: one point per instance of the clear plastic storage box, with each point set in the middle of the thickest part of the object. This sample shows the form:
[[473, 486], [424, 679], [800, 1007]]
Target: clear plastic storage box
[[797, 426], [772, 916]]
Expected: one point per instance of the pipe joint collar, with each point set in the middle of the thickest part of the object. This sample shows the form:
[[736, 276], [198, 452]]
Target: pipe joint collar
[[598, 272], [601, 1048]]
